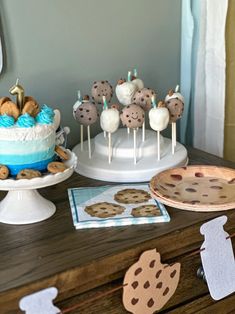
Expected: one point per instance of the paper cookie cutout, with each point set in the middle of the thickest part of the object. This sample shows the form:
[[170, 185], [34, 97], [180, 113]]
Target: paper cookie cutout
[[149, 284], [218, 258], [40, 302]]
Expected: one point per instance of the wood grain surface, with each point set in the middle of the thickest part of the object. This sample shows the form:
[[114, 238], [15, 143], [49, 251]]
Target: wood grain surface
[[81, 262]]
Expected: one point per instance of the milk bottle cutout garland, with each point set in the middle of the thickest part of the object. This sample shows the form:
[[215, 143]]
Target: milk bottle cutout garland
[[218, 258]]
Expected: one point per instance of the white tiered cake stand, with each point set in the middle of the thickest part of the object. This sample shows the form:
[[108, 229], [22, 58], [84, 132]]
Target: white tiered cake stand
[[23, 204], [122, 167]]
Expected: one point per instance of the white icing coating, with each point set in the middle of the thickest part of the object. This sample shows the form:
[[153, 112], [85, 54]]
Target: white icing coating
[[159, 118], [139, 83], [75, 107], [109, 120], [16, 133], [125, 92], [175, 95]]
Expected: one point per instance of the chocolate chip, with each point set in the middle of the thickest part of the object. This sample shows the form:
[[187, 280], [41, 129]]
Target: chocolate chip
[[129, 121], [199, 174], [142, 99], [150, 302], [138, 271], [127, 115], [81, 116], [166, 291], [134, 301], [139, 120], [216, 187], [214, 180], [170, 185], [95, 86], [135, 284], [98, 95], [158, 274], [172, 275], [146, 285], [190, 190], [159, 285], [89, 119], [152, 263]]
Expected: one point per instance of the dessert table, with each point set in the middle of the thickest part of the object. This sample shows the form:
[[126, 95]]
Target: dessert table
[[84, 263]]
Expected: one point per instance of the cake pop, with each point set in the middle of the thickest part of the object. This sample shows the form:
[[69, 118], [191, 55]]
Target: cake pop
[[158, 120], [137, 81], [100, 89], [86, 114], [143, 99], [109, 121], [132, 116], [125, 90], [175, 104]]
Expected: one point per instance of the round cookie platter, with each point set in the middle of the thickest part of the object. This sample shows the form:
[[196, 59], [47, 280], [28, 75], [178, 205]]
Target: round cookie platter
[[195, 188], [23, 204]]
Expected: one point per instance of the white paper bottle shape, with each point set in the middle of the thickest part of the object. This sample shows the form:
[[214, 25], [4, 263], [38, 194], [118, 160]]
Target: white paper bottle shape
[[40, 302], [218, 258]]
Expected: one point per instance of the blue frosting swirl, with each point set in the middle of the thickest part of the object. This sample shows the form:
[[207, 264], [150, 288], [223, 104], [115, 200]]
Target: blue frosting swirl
[[25, 121], [6, 121], [46, 115]]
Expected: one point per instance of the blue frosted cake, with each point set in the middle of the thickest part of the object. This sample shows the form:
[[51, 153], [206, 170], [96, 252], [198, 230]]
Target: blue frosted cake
[[27, 141]]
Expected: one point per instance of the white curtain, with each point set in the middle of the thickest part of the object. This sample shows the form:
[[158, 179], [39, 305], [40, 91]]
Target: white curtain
[[207, 72]]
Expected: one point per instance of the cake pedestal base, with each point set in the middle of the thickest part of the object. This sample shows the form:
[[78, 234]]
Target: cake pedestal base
[[23, 204], [122, 167], [24, 207]]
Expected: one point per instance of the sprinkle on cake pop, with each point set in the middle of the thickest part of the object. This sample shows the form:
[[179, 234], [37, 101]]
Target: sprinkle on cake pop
[[132, 116], [125, 90], [109, 121], [143, 98], [100, 89]]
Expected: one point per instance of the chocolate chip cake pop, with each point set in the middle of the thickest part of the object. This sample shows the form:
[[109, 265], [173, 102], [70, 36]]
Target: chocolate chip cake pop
[[175, 105], [86, 114], [158, 120], [143, 98], [100, 89], [132, 116], [109, 121]]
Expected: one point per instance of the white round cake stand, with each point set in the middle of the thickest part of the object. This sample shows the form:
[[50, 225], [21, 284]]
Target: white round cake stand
[[122, 167], [23, 204]]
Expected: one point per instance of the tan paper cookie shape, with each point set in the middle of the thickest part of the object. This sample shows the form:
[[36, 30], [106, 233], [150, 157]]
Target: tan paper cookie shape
[[149, 284]]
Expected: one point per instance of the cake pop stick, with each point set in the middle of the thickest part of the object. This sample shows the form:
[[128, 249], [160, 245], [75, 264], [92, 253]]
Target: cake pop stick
[[176, 108], [81, 137], [109, 121], [158, 119], [86, 113], [134, 137], [89, 141]]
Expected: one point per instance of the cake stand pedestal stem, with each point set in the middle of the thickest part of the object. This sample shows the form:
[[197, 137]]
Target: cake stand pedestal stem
[[25, 206]]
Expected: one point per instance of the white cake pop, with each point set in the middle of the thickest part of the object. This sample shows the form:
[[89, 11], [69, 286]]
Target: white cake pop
[[137, 81], [158, 119], [174, 94], [125, 90], [109, 121]]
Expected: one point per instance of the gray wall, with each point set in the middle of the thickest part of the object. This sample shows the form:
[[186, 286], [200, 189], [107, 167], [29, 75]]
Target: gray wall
[[56, 47]]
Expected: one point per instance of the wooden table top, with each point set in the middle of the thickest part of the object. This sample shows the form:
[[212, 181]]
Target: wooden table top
[[54, 253]]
